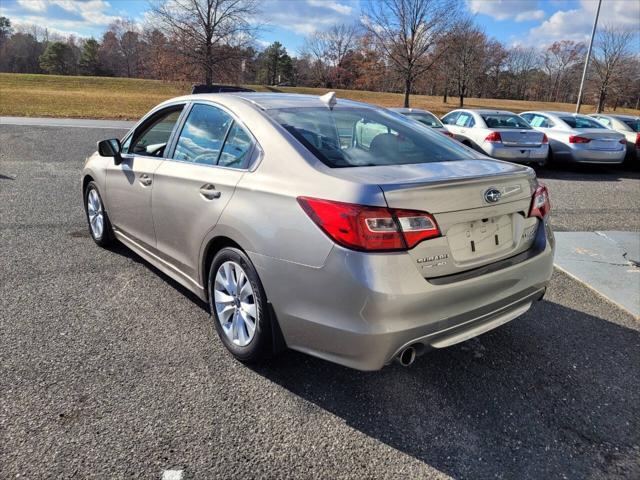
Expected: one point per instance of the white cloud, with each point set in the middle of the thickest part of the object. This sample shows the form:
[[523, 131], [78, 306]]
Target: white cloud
[[521, 10], [530, 15], [341, 8], [33, 5], [576, 24]]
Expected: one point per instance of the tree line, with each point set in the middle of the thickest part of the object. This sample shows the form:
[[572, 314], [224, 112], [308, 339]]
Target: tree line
[[410, 46]]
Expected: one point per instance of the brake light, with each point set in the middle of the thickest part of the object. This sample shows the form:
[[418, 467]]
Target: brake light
[[366, 228], [638, 140], [545, 139], [540, 203], [578, 139], [493, 137]]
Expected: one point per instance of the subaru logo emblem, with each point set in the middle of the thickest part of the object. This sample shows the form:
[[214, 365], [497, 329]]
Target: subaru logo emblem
[[492, 195]]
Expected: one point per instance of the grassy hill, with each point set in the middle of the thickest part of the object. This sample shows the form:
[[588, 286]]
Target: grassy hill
[[125, 98]]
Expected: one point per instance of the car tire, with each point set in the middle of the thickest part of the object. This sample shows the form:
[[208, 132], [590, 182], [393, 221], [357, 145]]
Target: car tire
[[235, 304], [97, 219]]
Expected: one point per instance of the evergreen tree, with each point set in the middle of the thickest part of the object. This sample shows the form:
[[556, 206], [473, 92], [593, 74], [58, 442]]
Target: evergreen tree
[[90, 58], [57, 58]]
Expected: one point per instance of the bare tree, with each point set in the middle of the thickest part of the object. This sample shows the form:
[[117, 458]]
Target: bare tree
[[407, 32], [466, 56], [611, 53], [557, 60], [204, 29], [521, 62], [331, 46]]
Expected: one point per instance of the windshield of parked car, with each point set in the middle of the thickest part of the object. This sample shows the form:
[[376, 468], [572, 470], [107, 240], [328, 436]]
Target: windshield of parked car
[[633, 124], [353, 137], [504, 120], [582, 122], [425, 118]]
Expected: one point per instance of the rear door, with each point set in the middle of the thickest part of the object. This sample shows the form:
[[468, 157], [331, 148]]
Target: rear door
[[211, 153], [130, 184]]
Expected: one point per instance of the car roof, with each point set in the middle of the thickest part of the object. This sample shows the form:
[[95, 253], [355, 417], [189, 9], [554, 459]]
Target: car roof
[[617, 116], [270, 100], [487, 111], [410, 110]]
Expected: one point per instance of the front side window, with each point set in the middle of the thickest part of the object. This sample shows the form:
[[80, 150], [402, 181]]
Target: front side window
[[352, 137], [539, 121], [203, 134], [505, 120], [463, 119], [581, 122], [425, 118], [151, 138]]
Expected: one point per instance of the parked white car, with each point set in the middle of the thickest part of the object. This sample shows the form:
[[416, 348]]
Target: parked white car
[[578, 138], [499, 134], [425, 117], [629, 126]]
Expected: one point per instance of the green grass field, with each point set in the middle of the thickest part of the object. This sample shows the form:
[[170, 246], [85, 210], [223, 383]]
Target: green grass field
[[124, 98]]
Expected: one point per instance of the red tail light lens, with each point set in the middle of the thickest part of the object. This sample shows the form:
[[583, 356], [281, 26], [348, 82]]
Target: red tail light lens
[[638, 140], [362, 227], [540, 203], [578, 139], [493, 137], [545, 139]]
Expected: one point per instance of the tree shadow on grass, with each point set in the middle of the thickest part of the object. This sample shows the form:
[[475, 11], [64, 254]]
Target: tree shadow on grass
[[554, 393]]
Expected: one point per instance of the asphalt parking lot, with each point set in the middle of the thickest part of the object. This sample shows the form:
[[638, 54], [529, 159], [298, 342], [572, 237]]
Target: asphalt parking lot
[[108, 369]]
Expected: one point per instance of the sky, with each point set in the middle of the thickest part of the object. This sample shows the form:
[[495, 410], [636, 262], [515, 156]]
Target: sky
[[514, 22]]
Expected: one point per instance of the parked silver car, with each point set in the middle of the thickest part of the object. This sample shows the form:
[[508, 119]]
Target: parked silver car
[[425, 117], [577, 138], [334, 228], [627, 125], [499, 134]]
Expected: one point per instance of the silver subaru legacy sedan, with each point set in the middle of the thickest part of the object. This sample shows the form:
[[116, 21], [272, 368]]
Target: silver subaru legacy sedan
[[327, 226]]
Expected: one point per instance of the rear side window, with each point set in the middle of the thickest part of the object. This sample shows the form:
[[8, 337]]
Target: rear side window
[[581, 122], [236, 149], [425, 119], [353, 137], [633, 124], [505, 120], [203, 134]]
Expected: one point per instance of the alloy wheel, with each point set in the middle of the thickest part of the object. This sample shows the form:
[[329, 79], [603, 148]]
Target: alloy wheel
[[95, 213], [235, 303]]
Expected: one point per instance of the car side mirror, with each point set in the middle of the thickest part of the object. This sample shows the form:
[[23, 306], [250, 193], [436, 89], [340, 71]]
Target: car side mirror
[[111, 148]]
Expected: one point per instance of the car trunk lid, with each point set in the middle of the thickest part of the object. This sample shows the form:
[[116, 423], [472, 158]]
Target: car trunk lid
[[520, 138], [601, 139]]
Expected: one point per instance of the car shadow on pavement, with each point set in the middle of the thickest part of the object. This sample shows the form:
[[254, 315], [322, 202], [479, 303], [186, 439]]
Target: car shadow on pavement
[[554, 394]]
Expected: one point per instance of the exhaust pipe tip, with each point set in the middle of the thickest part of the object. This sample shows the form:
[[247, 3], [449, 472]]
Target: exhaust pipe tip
[[407, 356]]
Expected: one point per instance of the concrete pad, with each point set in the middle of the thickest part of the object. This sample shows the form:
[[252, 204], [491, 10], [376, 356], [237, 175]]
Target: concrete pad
[[607, 262], [66, 122]]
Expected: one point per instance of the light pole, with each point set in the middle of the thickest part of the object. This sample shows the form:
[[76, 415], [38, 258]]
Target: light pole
[[586, 62]]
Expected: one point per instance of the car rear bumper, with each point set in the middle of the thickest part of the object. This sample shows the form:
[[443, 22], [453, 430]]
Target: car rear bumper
[[517, 154], [580, 155], [360, 309]]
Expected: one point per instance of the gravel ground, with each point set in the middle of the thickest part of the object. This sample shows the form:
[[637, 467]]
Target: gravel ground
[[111, 370]]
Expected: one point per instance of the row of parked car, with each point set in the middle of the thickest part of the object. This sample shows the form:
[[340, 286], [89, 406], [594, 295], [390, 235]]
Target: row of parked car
[[538, 137]]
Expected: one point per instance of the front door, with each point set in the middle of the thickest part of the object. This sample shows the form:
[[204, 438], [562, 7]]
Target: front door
[[129, 184], [192, 189]]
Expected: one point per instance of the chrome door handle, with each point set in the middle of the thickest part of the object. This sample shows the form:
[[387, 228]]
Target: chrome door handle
[[145, 180], [209, 191]]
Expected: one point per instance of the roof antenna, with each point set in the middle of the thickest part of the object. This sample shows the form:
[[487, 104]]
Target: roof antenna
[[329, 99]]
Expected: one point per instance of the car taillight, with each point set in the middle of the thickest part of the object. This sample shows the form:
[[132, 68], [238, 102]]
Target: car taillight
[[578, 139], [638, 140], [493, 137], [367, 228], [448, 134], [540, 204], [545, 139]]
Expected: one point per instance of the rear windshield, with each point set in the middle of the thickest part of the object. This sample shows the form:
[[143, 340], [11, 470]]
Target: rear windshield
[[504, 120], [354, 137], [633, 124], [425, 118], [581, 122]]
